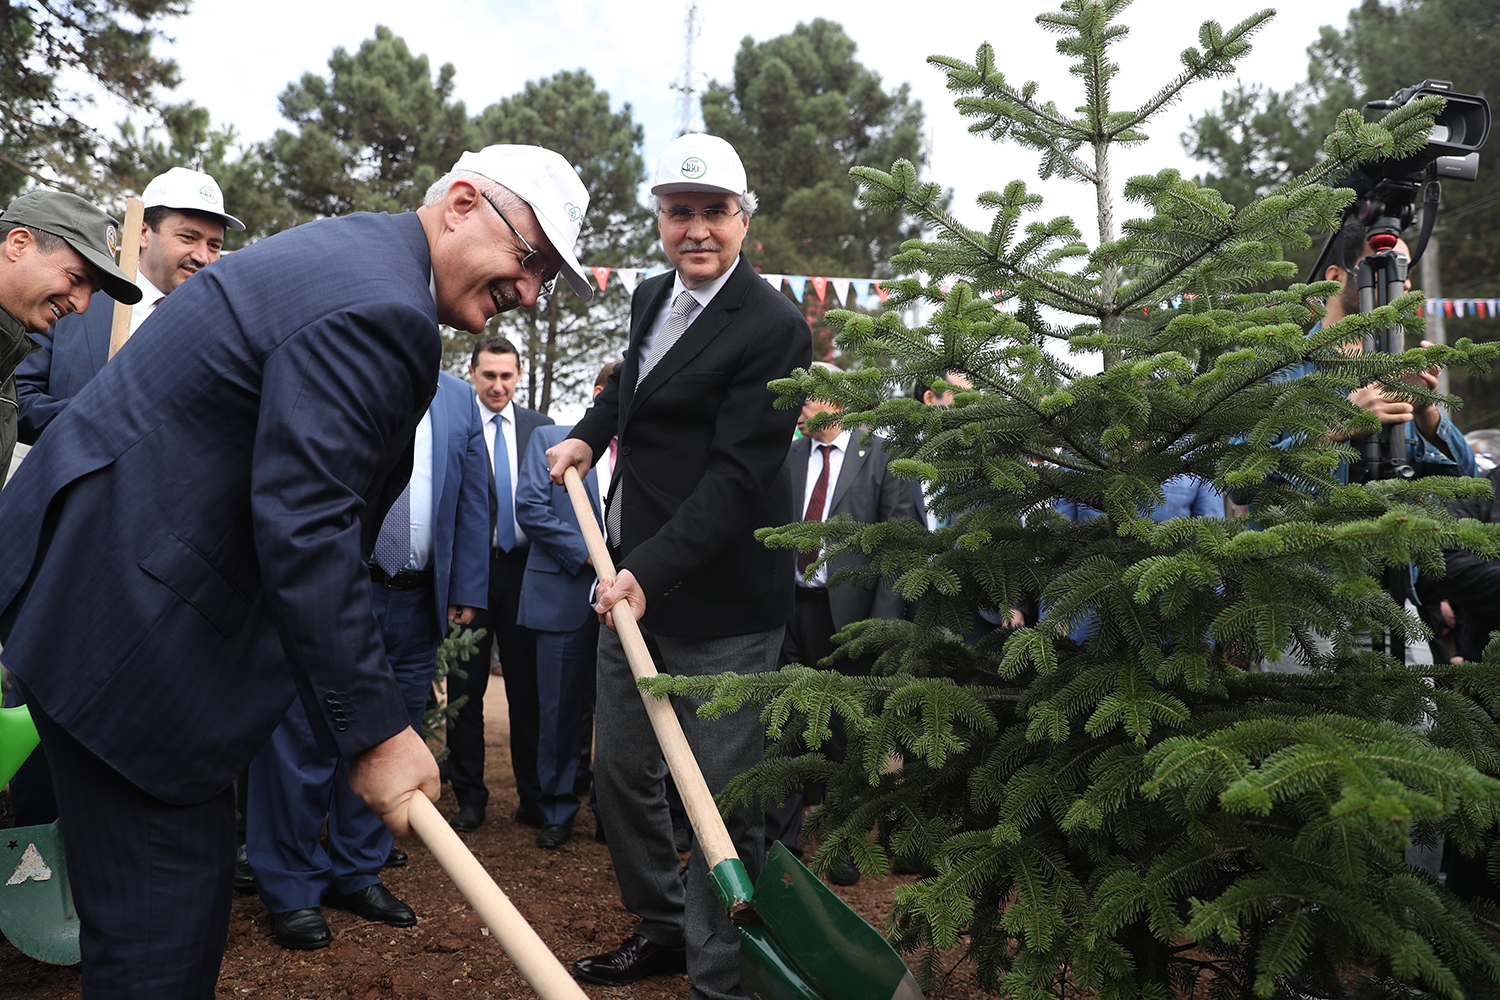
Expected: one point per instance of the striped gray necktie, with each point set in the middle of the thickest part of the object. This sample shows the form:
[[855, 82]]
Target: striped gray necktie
[[671, 331]]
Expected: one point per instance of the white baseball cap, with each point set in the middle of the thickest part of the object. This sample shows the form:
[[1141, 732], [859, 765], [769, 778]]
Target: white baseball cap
[[188, 191], [697, 161], [549, 184]]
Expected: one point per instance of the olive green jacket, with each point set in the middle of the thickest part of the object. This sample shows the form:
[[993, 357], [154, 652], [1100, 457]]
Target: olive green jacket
[[14, 346]]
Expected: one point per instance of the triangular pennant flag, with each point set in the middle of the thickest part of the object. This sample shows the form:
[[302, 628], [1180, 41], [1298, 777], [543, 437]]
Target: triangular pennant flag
[[1458, 305], [1448, 306], [840, 289], [601, 275], [798, 285], [883, 292], [628, 277], [774, 280], [820, 285], [1495, 307]]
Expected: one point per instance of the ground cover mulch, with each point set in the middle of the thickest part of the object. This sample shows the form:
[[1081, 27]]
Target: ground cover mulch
[[569, 895]]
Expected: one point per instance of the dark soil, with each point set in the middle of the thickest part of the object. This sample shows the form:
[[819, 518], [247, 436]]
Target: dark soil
[[569, 895]]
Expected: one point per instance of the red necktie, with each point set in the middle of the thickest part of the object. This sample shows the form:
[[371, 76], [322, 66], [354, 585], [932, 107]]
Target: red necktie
[[815, 509]]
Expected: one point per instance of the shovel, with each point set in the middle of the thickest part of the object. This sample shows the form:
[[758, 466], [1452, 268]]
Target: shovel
[[36, 907], [798, 940]]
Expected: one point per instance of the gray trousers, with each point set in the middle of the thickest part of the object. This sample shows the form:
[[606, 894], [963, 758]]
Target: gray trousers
[[630, 781]]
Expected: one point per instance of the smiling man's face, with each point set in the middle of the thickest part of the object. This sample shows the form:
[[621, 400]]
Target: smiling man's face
[[476, 259], [42, 288], [179, 247], [700, 252]]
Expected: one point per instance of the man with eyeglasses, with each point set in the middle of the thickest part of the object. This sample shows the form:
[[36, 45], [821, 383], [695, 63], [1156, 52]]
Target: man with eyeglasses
[[701, 465], [212, 499]]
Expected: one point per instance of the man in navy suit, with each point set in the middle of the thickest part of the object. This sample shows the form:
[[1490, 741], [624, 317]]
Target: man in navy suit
[[429, 569], [182, 232], [701, 465], [495, 370], [212, 498], [555, 605]]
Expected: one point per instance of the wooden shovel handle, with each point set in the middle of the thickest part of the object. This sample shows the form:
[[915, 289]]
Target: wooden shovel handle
[[533, 959], [708, 825], [130, 252]]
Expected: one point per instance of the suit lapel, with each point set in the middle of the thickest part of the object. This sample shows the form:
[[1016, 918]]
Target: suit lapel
[[642, 322], [98, 337], [801, 448], [438, 412], [855, 456]]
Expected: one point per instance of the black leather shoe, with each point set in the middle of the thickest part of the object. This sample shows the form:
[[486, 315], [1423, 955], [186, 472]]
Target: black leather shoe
[[301, 929], [373, 902], [244, 878], [846, 872], [467, 819], [636, 959], [396, 859], [530, 817], [554, 835]]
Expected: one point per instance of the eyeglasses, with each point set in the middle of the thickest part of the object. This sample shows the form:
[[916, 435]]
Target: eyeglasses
[[533, 263], [713, 218]]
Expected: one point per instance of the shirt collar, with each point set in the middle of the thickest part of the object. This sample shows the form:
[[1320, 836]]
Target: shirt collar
[[704, 294], [149, 292]]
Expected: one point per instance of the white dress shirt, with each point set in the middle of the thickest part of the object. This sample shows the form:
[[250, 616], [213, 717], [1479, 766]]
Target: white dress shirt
[[838, 446], [507, 419], [421, 496], [701, 298], [149, 296]]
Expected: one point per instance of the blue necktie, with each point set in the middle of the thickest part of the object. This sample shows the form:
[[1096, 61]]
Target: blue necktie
[[505, 516], [393, 544]]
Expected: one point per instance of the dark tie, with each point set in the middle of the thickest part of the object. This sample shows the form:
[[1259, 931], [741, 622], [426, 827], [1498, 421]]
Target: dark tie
[[671, 331], [393, 544], [505, 513], [815, 509]]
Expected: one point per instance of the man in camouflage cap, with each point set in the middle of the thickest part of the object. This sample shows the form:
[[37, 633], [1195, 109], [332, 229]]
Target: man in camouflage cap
[[56, 250]]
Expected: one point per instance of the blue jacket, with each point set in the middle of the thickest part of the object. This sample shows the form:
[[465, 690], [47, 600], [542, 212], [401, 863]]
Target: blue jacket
[[71, 354], [555, 588], [185, 548], [460, 499]]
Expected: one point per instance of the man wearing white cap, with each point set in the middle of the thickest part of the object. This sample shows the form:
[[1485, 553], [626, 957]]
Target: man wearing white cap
[[212, 499], [701, 465], [182, 232]]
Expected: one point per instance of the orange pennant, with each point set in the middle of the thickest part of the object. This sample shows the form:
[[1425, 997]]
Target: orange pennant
[[820, 285], [601, 276]]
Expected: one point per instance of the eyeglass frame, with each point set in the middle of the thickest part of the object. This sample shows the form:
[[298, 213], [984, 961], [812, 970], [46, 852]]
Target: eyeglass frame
[[539, 268], [684, 216]]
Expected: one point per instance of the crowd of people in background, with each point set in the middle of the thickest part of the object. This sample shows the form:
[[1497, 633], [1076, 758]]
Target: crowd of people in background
[[288, 488]]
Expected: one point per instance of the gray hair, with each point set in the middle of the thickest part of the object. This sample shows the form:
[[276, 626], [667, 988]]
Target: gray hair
[[502, 194], [748, 203]]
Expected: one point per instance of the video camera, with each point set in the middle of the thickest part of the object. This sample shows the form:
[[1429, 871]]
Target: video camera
[[1386, 191]]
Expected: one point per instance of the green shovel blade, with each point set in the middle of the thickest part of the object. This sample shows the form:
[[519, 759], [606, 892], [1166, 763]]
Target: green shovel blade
[[809, 945], [36, 907]]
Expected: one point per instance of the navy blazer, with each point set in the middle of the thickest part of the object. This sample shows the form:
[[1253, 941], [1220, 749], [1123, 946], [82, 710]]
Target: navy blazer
[[460, 499], [868, 491], [555, 588], [702, 458], [73, 351], [185, 548]]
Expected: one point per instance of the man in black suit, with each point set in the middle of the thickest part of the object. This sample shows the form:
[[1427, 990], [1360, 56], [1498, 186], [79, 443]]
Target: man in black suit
[[835, 470], [701, 465], [495, 370]]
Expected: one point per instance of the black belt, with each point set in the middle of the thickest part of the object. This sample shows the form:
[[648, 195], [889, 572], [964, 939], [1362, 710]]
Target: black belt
[[818, 595], [407, 579]]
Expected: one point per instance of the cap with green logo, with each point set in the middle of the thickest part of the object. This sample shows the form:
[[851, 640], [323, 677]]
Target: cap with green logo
[[84, 227], [697, 161]]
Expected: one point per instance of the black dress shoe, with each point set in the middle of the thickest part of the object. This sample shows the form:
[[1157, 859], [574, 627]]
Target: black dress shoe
[[554, 835], [530, 817], [373, 902], [301, 929], [396, 859], [846, 872], [636, 959], [467, 819], [244, 878]]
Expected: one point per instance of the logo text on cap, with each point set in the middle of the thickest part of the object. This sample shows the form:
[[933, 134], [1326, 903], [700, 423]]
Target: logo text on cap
[[111, 239], [209, 195], [693, 168]]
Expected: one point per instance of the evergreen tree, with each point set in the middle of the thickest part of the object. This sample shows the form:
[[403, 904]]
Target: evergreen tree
[[565, 341], [109, 43], [1108, 797]]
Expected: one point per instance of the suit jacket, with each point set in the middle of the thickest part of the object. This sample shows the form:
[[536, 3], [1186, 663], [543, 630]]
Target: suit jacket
[[460, 499], [702, 458], [555, 588], [870, 493], [72, 353], [210, 499]]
